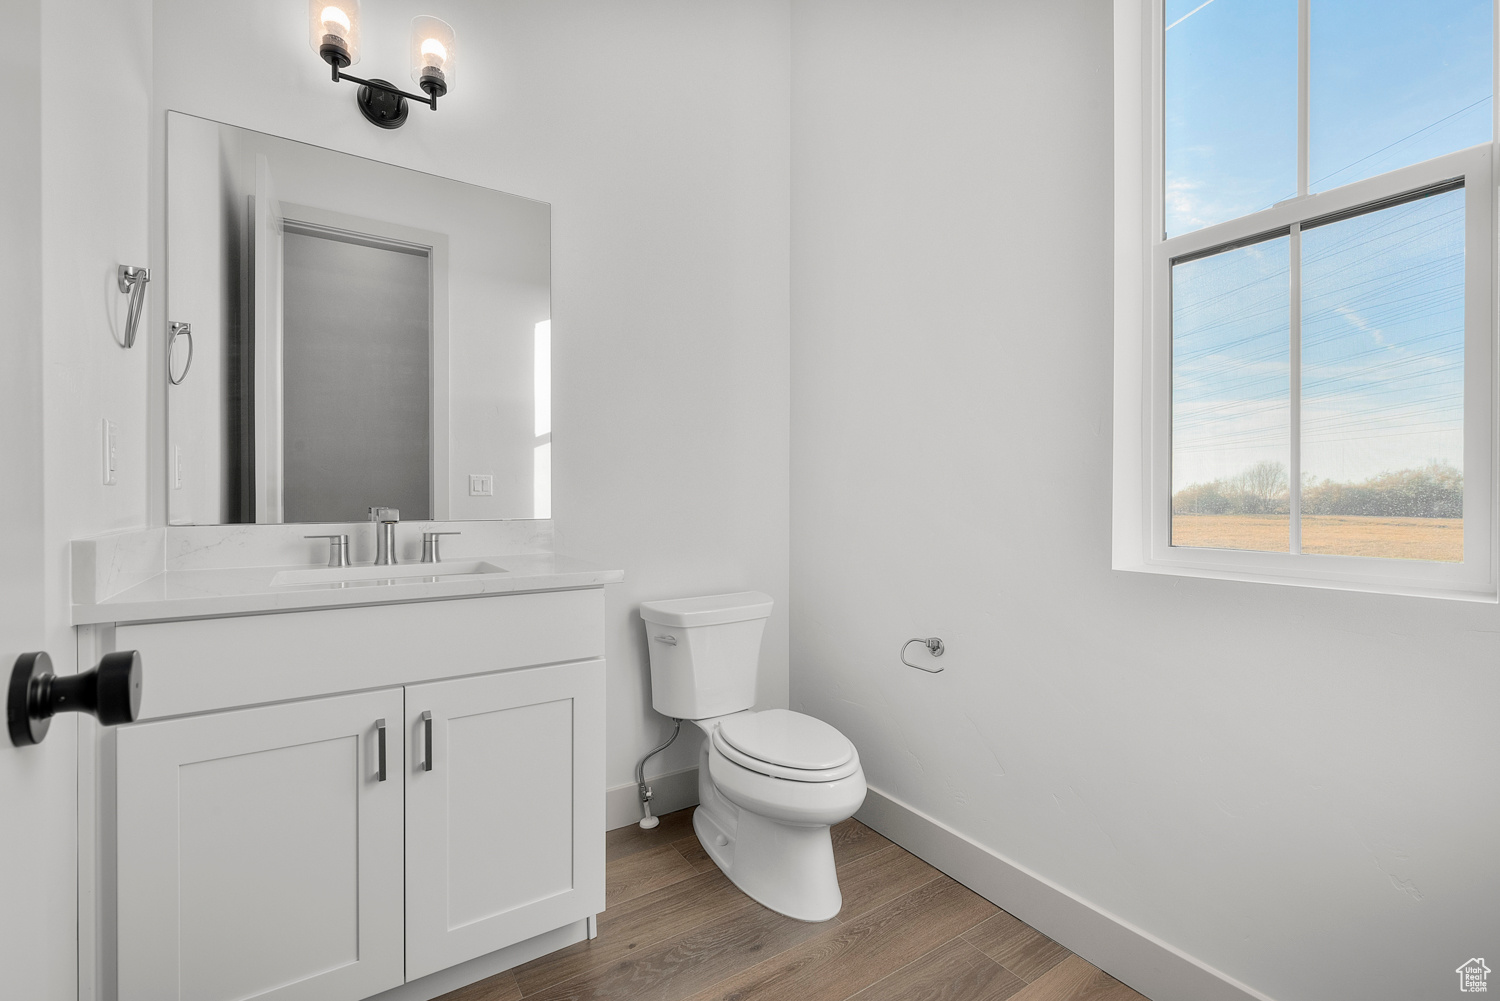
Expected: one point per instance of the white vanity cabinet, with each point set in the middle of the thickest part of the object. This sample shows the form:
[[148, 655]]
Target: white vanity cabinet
[[260, 855], [493, 825], [256, 850]]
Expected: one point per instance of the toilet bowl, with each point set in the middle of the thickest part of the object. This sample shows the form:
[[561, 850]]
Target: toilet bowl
[[766, 824], [770, 782]]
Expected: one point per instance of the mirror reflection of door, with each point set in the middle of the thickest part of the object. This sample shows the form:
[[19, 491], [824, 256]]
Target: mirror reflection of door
[[356, 375]]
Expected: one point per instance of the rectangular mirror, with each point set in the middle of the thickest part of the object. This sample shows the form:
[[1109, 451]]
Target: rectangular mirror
[[350, 334]]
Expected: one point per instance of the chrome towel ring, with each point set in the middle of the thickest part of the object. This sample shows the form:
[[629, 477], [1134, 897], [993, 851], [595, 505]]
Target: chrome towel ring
[[933, 645], [175, 331]]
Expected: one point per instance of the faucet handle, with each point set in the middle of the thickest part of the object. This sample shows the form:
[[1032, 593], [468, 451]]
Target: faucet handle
[[338, 549], [430, 540], [384, 514]]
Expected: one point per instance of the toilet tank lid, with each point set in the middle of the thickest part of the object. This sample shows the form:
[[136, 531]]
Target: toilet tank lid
[[711, 610]]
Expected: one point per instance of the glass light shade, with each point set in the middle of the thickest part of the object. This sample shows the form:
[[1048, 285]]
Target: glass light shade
[[334, 27], [432, 54]]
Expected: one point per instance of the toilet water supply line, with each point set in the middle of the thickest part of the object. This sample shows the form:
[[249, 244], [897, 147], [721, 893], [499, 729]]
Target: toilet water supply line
[[648, 821]]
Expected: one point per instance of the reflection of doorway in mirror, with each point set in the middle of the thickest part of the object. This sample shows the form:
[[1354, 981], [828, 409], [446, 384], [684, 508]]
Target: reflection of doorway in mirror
[[541, 463], [357, 382]]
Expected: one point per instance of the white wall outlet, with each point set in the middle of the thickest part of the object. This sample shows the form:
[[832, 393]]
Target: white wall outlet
[[481, 485], [111, 443]]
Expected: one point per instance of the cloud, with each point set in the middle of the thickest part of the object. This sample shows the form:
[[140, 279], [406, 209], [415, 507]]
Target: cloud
[[1348, 313]]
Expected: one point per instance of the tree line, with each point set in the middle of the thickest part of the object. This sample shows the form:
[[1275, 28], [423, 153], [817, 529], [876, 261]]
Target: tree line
[[1432, 491]]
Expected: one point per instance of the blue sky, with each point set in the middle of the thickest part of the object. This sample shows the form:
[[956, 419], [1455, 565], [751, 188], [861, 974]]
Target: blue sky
[[1391, 84]]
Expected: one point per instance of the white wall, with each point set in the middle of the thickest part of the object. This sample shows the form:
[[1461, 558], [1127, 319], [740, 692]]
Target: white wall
[[1296, 787], [658, 132], [94, 218]]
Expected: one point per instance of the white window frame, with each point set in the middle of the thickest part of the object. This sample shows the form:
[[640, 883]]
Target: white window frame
[[1143, 338]]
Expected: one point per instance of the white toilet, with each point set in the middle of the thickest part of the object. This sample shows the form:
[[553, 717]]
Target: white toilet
[[770, 782]]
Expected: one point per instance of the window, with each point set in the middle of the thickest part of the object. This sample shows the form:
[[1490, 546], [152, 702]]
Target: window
[[1304, 230]]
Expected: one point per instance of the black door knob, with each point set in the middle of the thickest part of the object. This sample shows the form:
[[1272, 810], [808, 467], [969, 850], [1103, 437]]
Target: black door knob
[[111, 691]]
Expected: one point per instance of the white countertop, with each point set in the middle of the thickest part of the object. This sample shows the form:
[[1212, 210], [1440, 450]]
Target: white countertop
[[160, 574], [183, 594]]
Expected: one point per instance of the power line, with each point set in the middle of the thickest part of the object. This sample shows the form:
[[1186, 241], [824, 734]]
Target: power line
[[1431, 125], [1184, 17], [1410, 135]]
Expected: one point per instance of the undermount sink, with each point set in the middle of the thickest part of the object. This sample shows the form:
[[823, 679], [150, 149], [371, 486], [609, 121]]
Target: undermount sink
[[401, 573]]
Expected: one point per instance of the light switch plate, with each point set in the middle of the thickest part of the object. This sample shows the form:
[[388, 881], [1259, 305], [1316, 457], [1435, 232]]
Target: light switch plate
[[481, 485], [176, 467], [111, 445]]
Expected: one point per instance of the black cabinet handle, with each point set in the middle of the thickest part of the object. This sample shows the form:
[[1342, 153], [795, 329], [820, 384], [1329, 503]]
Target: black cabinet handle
[[380, 738], [110, 691]]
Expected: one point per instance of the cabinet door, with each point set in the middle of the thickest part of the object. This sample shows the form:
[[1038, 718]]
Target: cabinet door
[[260, 853], [505, 819]]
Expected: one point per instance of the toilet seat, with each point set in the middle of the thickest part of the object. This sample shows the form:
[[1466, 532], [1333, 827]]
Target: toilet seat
[[799, 802], [786, 745]]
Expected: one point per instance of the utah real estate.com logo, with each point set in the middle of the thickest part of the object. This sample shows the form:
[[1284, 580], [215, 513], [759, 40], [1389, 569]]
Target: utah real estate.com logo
[[1471, 976]]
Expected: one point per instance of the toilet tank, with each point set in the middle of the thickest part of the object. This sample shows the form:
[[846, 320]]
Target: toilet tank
[[705, 652]]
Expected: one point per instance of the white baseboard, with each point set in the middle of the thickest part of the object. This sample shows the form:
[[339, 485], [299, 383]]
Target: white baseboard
[[673, 791], [1125, 952], [443, 981]]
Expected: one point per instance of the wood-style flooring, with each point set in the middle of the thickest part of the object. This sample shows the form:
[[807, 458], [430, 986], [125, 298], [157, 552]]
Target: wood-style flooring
[[676, 929]]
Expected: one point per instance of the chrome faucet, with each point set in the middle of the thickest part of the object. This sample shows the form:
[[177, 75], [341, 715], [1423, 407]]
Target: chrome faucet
[[385, 519]]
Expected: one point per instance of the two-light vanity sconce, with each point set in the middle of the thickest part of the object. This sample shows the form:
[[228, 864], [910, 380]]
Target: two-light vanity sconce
[[335, 38]]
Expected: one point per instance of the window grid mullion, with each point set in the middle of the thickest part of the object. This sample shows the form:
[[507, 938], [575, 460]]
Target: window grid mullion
[[1304, 74], [1294, 326]]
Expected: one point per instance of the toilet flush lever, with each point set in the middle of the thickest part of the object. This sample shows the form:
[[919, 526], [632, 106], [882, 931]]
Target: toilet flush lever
[[668, 640]]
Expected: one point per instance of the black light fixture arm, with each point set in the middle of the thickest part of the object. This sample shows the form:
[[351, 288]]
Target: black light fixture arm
[[428, 99]]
